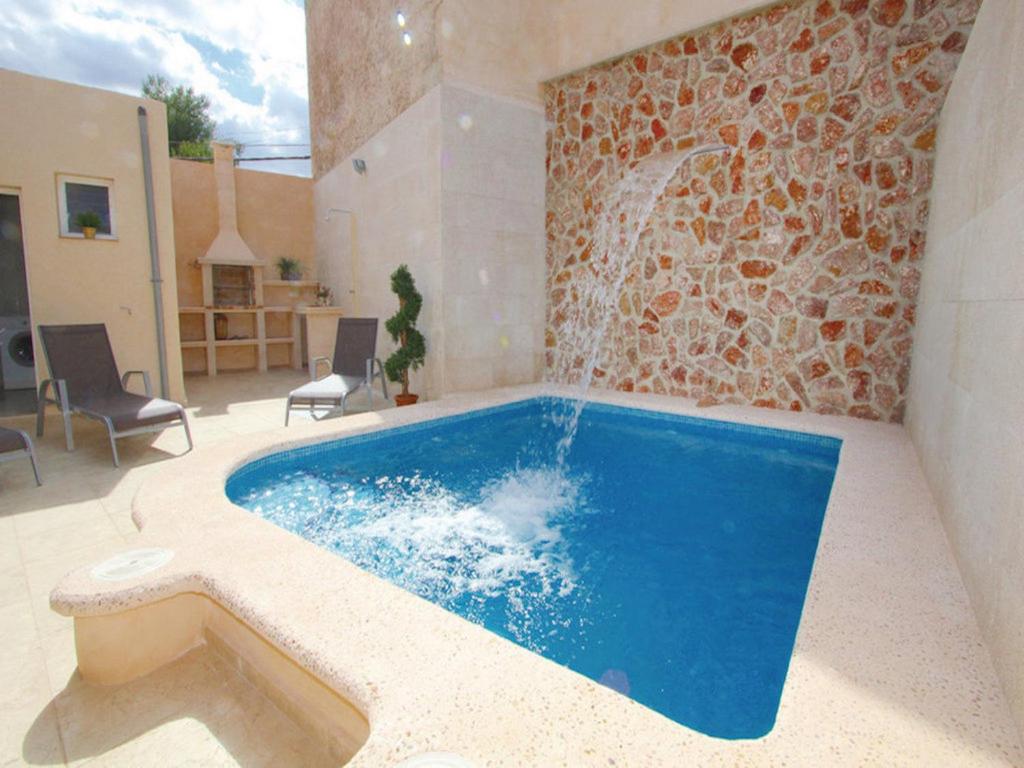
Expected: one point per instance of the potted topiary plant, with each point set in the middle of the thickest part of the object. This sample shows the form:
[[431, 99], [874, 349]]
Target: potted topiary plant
[[402, 328], [89, 223], [289, 269]]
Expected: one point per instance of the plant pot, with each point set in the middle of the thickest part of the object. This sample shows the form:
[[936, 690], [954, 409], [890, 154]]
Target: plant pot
[[89, 233], [409, 399], [291, 277], [220, 326]]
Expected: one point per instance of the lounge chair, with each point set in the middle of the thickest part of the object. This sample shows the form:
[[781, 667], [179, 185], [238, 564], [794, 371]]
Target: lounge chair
[[85, 381], [351, 368], [15, 444]]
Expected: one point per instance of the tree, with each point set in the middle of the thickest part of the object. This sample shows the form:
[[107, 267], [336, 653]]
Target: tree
[[189, 125], [402, 328]]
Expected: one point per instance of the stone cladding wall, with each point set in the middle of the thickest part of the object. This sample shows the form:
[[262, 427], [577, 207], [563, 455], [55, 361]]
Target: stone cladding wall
[[785, 273]]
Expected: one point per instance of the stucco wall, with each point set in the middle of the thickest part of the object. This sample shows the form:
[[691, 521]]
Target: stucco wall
[[785, 275], [965, 410], [275, 217], [395, 218], [585, 32], [501, 47], [453, 189], [492, 217], [361, 75], [492, 57], [54, 128]]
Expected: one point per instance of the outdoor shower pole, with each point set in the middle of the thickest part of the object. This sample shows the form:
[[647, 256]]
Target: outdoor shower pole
[[154, 253]]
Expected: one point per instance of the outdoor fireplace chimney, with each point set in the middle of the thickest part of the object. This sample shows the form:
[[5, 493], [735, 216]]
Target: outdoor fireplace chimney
[[228, 247]]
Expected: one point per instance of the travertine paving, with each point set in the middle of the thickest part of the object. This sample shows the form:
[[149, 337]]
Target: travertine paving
[[888, 667], [196, 712]]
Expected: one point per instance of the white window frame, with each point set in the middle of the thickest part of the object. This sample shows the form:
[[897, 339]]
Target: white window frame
[[62, 204]]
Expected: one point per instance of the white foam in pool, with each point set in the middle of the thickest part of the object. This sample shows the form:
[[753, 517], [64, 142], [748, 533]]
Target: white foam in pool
[[131, 564]]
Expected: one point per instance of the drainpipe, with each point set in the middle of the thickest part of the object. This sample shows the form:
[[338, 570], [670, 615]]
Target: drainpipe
[[154, 252]]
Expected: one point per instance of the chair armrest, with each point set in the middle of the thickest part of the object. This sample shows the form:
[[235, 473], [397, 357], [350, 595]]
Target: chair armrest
[[315, 369], [145, 381]]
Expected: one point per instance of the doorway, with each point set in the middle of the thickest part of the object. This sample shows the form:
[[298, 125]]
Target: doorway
[[17, 358]]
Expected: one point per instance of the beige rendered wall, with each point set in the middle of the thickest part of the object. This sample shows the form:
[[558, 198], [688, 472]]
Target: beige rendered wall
[[499, 46], [275, 217], [453, 189], [470, 154], [584, 32], [55, 128], [965, 410], [492, 218], [361, 75], [389, 216]]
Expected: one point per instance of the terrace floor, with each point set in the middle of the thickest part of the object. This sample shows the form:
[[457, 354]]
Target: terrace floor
[[197, 711]]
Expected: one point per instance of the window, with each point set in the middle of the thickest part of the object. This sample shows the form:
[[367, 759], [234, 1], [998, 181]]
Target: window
[[80, 194]]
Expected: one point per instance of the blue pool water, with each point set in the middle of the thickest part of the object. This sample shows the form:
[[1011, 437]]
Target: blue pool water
[[668, 560]]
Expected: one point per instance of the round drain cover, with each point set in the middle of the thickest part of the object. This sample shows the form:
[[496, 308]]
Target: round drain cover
[[436, 760], [131, 564]]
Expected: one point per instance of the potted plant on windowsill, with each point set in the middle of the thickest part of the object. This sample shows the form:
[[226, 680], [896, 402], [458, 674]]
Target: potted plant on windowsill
[[402, 328], [289, 269], [89, 222]]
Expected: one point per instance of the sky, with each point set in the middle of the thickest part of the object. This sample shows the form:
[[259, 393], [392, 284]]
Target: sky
[[248, 56]]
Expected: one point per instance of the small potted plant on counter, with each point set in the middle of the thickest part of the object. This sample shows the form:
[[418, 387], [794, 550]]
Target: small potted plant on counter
[[89, 222], [324, 295], [289, 269], [402, 328]]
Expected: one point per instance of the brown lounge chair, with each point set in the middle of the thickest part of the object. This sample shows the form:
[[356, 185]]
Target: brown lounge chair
[[84, 376], [351, 368], [15, 444]]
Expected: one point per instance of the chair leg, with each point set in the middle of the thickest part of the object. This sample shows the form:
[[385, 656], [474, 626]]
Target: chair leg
[[287, 410], [188, 432], [35, 464], [383, 378], [65, 411], [369, 382], [41, 407], [113, 443]]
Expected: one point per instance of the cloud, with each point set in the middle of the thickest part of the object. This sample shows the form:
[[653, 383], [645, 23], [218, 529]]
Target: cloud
[[248, 57]]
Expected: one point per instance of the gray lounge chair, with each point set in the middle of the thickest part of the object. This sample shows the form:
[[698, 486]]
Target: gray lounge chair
[[85, 381], [15, 444], [353, 366]]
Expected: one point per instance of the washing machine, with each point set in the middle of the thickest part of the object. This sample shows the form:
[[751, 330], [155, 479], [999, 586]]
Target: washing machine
[[16, 357]]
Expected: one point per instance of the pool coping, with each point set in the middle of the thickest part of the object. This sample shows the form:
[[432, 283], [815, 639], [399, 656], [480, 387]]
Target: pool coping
[[888, 665]]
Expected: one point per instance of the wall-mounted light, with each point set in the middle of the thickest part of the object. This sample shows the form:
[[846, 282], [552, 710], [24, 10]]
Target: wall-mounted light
[[359, 165], [400, 18], [407, 38]]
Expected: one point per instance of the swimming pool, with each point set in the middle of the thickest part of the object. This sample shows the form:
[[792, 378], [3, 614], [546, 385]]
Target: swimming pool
[[668, 558]]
